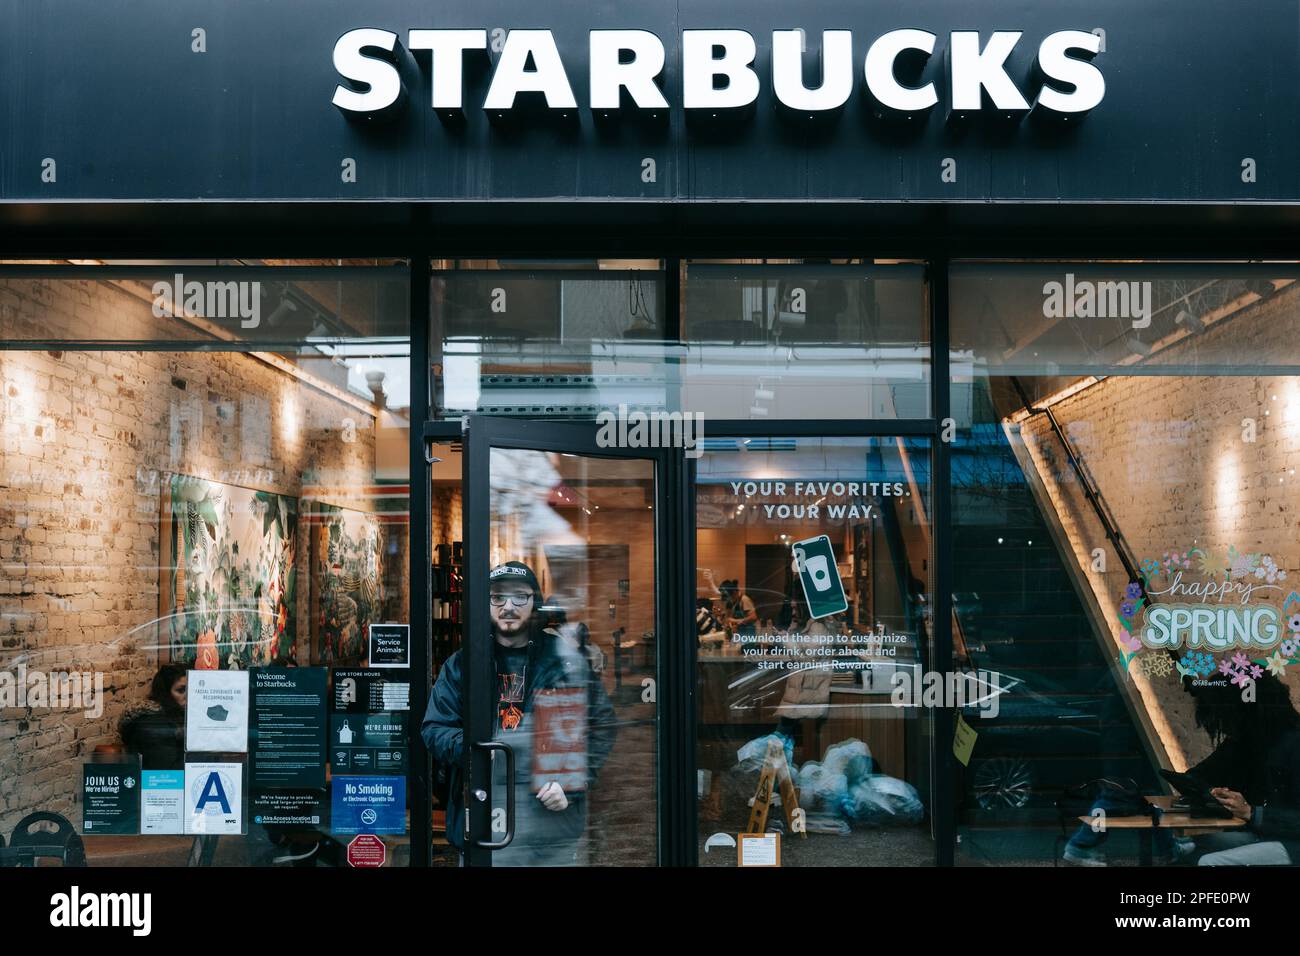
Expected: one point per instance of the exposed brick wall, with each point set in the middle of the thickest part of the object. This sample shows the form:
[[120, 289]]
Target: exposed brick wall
[[445, 514], [88, 438], [1169, 458]]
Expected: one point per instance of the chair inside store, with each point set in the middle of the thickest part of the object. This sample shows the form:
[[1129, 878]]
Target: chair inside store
[[45, 836]]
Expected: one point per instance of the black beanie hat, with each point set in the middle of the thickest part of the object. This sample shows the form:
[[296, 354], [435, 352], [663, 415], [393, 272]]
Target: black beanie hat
[[517, 571]]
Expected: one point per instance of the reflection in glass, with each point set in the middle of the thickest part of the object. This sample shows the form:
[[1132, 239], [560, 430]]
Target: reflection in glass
[[206, 490], [1127, 444], [793, 341], [805, 341], [791, 702], [573, 616]]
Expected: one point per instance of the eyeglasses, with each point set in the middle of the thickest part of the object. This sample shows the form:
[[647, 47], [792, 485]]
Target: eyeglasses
[[517, 599]]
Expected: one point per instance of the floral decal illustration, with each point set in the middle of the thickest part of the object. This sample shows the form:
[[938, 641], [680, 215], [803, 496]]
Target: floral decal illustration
[[1239, 669], [1197, 664], [1267, 570], [1130, 607], [1277, 664], [1156, 665], [1241, 565], [228, 575], [1232, 566]]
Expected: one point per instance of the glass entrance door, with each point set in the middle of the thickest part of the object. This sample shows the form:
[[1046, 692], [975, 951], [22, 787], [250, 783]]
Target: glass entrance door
[[570, 612]]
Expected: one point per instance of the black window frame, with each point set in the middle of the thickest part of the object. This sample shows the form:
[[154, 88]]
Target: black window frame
[[935, 235]]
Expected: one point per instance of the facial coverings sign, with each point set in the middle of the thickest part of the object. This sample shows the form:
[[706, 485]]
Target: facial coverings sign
[[216, 714], [1167, 100]]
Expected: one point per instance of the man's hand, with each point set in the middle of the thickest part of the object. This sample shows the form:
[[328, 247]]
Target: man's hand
[[1233, 802], [552, 796]]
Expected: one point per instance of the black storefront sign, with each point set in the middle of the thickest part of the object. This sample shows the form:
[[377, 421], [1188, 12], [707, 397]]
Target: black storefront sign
[[368, 743], [287, 745], [368, 722], [1197, 106], [390, 645], [364, 691], [110, 798]]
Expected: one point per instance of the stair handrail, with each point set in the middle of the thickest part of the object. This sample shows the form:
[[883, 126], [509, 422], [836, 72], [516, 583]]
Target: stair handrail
[[1090, 491]]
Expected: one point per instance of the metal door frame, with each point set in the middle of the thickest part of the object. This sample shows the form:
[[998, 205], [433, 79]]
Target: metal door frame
[[674, 623]]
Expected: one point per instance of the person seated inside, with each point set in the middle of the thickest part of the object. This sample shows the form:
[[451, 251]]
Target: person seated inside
[[156, 729], [1253, 772], [807, 693]]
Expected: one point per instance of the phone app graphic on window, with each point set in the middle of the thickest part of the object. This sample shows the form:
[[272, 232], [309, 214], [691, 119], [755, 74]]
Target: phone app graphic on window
[[814, 561]]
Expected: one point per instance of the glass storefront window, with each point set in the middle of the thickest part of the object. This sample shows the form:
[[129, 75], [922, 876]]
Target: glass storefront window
[[1124, 553], [801, 729], [549, 340], [205, 495], [805, 340], [203, 515], [747, 340]]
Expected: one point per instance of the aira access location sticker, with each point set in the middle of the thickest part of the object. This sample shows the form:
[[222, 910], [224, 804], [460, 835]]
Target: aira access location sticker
[[814, 562]]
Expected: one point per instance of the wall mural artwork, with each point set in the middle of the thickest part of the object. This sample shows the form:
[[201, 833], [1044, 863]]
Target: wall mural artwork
[[346, 582], [227, 594]]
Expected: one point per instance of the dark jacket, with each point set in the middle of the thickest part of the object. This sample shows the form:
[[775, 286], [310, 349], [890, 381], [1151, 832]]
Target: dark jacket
[[551, 665], [1269, 779], [157, 735]]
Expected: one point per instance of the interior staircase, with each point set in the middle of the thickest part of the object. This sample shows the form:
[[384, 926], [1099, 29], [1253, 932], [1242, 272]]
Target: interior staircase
[[1066, 718]]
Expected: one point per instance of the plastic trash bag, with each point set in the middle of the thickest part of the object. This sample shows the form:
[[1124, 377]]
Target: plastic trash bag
[[750, 757], [838, 757], [830, 789], [827, 823], [857, 769], [809, 774], [880, 801], [819, 788]]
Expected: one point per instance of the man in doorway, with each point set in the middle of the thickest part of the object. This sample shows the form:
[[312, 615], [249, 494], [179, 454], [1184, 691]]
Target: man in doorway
[[546, 697]]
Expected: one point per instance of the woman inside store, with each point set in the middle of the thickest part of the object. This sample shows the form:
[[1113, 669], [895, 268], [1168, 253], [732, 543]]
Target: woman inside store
[[156, 729], [1254, 772]]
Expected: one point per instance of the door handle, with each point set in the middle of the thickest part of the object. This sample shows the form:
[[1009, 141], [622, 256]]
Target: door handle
[[491, 745]]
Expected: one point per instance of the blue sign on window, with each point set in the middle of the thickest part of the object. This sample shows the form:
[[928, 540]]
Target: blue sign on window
[[368, 805]]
